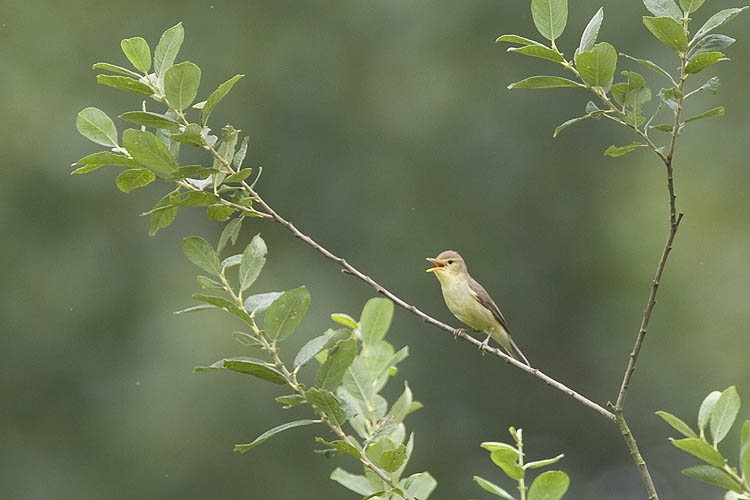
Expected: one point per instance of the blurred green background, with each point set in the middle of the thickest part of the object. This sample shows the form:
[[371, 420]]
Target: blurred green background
[[386, 132]]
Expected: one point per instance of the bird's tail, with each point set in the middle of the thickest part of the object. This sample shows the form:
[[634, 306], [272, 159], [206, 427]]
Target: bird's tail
[[516, 353]]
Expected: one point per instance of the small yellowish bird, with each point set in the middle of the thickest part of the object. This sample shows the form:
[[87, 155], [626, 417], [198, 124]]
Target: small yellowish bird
[[470, 302]]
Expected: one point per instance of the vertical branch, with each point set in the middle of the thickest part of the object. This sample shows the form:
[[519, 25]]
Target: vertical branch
[[636, 455]]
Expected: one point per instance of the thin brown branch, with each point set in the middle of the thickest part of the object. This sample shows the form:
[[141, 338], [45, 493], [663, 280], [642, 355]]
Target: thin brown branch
[[636, 455]]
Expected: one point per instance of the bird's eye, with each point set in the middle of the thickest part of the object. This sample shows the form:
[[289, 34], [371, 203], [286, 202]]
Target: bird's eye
[[450, 261]]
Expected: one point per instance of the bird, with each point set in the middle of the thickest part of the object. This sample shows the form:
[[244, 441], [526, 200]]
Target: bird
[[471, 304]]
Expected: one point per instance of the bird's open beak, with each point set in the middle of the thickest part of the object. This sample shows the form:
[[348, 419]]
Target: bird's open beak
[[438, 265]]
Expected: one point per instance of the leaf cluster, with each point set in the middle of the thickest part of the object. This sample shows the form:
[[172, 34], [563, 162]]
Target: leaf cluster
[[716, 416], [594, 66], [549, 485], [354, 365], [152, 151]]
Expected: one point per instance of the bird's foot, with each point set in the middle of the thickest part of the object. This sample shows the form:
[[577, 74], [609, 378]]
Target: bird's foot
[[458, 333], [484, 345]]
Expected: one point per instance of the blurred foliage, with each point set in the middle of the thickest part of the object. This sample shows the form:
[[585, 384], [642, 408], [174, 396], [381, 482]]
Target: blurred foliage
[[385, 130]]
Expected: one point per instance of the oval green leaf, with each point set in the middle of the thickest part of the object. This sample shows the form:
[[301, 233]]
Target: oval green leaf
[[550, 485], [713, 476], [201, 253], [134, 178], [550, 17], [149, 151], [597, 66], [677, 424], [149, 119], [700, 449], [137, 51], [167, 49], [96, 126], [724, 413], [492, 488], [285, 314], [181, 83], [253, 260], [707, 406], [375, 320], [667, 31]]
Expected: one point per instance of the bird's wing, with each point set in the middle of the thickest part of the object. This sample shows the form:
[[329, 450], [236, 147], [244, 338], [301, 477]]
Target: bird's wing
[[479, 293]]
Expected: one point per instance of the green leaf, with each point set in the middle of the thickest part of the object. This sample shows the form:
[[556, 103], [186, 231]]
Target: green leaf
[[253, 260], [257, 369], [420, 485], [537, 464], [402, 406], [220, 212], [237, 161], [663, 8], [331, 372], [247, 339], [700, 449], [149, 151], [216, 96], [242, 448], [201, 253], [193, 135], [717, 111], [96, 126], [229, 234], [149, 119], [493, 488], [721, 17], [225, 305], [138, 53], [310, 349], [711, 86], [590, 34], [339, 447], [285, 313], [540, 52], [125, 83], [550, 485], [163, 214], [345, 319], [745, 437], [707, 406], [663, 128], [375, 320], [703, 60], [745, 459], [520, 40], [391, 460], [667, 31], [616, 151], [167, 49], [632, 96], [597, 66], [568, 123], [290, 401], [206, 282], [689, 6], [710, 43], [115, 69], [197, 199], [358, 484], [713, 476], [326, 402], [106, 158], [181, 83], [677, 423], [260, 302], [543, 82], [550, 17], [511, 469], [652, 66], [134, 178], [724, 413]]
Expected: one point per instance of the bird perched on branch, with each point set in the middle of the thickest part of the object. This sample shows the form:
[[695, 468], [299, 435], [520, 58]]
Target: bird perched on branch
[[470, 302]]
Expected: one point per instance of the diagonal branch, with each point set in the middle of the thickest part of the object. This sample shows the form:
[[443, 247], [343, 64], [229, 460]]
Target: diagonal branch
[[350, 269]]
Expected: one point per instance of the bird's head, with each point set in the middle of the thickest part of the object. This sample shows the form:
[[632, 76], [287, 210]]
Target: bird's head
[[448, 263]]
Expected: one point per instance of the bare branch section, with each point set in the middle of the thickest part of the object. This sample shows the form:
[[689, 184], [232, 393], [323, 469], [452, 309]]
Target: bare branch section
[[457, 333]]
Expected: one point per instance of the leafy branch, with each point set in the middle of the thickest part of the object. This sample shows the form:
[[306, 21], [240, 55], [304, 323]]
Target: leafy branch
[[594, 66]]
